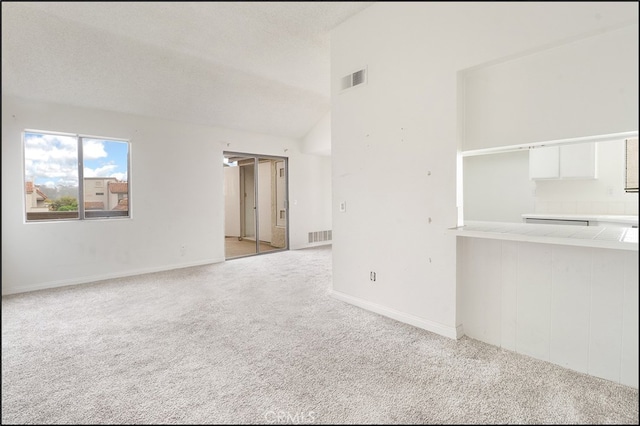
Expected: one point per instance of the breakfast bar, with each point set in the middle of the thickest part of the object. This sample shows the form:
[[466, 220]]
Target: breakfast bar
[[566, 294]]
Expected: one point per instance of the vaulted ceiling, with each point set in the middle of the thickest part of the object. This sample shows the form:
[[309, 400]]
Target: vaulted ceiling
[[257, 66]]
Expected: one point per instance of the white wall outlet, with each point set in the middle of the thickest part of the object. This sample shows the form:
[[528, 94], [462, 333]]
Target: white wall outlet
[[183, 250], [343, 206]]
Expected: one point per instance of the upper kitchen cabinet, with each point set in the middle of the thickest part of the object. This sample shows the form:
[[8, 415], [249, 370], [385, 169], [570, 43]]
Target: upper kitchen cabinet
[[576, 161], [544, 163]]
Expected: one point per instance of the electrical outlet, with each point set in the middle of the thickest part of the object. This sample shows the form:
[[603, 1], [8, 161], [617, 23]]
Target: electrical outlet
[[343, 206], [183, 250], [372, 276]]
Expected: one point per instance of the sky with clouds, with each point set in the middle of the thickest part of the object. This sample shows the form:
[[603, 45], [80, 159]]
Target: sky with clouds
[[52, 160]]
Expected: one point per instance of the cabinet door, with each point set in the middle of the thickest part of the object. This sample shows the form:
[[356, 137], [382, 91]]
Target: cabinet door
[[578, 161], [544, 163]]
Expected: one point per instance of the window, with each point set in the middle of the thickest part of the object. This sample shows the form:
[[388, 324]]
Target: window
[[631, 175], [62, 173]]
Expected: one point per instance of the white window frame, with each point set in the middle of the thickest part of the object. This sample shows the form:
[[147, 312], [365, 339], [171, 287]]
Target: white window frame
[[80, 160]]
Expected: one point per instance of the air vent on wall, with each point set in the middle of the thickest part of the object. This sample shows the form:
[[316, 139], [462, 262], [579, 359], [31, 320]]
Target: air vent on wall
[[354, 79], [318, 236]]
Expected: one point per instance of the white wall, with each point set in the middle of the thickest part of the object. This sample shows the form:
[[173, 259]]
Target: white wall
[[604, 195], [172, 164], [497, 187], [232, 201], [591, 82], [395, 139], [318, 189], [318, 140]]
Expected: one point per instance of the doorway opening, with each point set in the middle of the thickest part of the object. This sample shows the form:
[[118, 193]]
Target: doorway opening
[[256, 207]]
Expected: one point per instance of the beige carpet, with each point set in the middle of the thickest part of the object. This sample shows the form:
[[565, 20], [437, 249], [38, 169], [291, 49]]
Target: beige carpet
[[259, 340]]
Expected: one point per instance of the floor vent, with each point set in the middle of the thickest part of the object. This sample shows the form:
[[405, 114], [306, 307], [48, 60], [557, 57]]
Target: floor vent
[[354, 79], [318, 236]]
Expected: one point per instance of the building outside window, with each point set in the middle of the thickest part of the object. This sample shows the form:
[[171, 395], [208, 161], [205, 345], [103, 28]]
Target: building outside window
[[75, 177]]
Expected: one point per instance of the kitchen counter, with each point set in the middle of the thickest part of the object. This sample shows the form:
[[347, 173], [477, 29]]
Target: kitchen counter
[[630, 220], [572, 235]]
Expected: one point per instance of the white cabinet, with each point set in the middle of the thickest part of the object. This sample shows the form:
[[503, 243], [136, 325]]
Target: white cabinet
[[544, 163], [577, 161]]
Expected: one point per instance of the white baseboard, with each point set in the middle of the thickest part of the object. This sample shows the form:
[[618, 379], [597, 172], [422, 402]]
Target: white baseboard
[[309, 245], [434, 327], [12, 289]]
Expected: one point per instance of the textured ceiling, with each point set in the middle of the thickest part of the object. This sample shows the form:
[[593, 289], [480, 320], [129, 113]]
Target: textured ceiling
[[256, 66]]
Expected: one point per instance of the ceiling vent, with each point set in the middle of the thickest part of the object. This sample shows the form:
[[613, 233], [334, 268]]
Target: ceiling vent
[[354, 79]]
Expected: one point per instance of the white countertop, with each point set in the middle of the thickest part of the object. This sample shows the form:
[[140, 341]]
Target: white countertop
[[625, 219], [585, 236]]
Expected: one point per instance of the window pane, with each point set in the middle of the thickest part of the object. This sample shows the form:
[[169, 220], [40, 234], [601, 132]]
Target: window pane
[[51, 176], [105, 178]]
